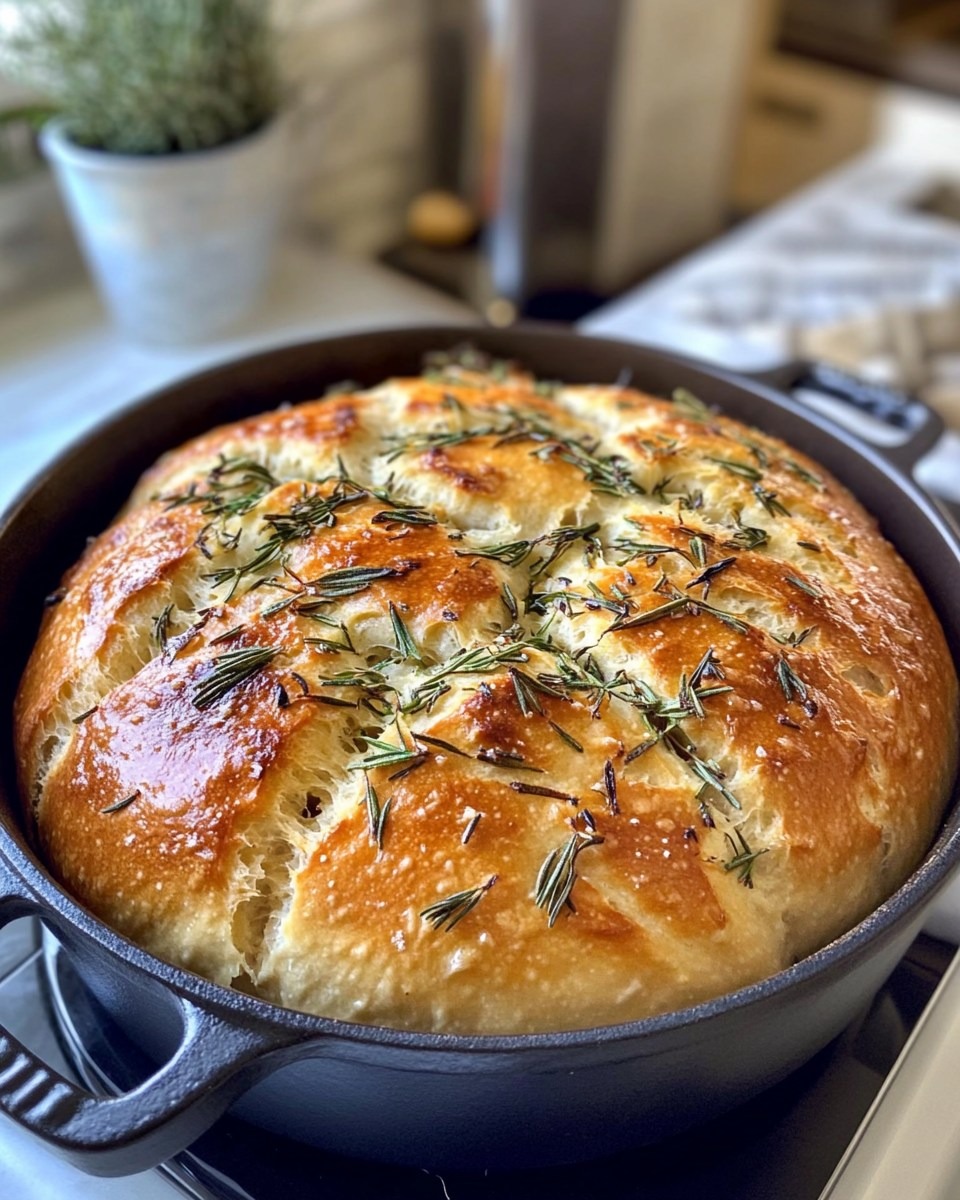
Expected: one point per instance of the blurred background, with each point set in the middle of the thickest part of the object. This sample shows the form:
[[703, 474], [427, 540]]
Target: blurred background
[[742, 179]]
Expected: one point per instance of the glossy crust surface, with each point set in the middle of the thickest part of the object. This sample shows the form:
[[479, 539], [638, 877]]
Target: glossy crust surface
[[475, 704]]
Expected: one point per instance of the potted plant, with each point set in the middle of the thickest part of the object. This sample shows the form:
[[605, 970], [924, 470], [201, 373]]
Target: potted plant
[[168, 147]]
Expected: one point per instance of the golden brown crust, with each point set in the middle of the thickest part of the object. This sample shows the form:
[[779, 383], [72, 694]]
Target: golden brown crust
[[472, 705]]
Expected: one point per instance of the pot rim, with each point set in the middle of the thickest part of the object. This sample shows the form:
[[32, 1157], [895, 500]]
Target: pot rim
[[59, 908], [58, 147]]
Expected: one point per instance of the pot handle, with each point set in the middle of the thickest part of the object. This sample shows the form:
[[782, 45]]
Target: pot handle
[[921, 424], [217, 1059]]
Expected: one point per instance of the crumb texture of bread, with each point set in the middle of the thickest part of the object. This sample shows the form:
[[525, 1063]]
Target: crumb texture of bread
[[475, 704]]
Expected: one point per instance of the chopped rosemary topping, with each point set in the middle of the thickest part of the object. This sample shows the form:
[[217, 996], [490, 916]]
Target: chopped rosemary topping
[[558, 874], [478, 660], [698, 548], [570, 740], [406, 646], [348, 581], [707, 668], [744, 470], [797, 638], [440, 744], [610, 788], [804, 585], [404, 516], [804, 474], [647, 550], [233, 487], [532, 789], [450, 911], [727, 618], [435, 439], [81, 717], [689, 404], [652, 614], [793, 686], [811, 546], [471, 827], [228, 636], [506, 759], [747, 537], [770, 502], [385, 754], [707, 575], [510, 553], [560, 539], [376, 815], [743, 857], [229, 670], [510, 601], [161, 627], [117, 805]]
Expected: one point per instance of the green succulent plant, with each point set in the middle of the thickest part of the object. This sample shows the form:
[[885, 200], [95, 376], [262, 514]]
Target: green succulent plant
[[149, 76]]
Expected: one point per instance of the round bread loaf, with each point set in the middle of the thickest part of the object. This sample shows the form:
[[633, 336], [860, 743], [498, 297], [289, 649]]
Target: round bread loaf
[[479, 705]]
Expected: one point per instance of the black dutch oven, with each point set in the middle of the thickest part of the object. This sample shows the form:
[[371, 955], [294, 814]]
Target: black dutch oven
[[429, 1100]]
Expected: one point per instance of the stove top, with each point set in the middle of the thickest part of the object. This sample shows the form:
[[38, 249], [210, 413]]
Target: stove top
[[785, 1143]]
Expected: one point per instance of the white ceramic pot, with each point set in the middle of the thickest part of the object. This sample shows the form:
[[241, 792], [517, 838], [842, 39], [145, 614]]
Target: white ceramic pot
[[179, 244]]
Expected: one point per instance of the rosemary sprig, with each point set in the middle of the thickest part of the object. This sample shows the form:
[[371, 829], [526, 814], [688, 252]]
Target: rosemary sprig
[[558, 874], [770, 502], [233, 487], [793, 686], [651, 614], [709, 573], [385, 754], [509, 553], [161, 627], [406, 646], [404, 516], [348, 581], [690, 405], [608, 474], [744, 470], [376, 815], [706, 770], [478, 660], [649, 551], [229, 670], [561, 539], [747, 537], [743, 858], [436, 439], [804, 474], [450, 911]]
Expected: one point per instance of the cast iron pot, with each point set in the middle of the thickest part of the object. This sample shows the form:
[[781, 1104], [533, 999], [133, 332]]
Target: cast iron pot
[[444, 1102]]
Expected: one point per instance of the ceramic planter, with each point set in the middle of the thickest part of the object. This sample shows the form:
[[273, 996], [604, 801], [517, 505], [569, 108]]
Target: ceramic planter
[[179, 244]]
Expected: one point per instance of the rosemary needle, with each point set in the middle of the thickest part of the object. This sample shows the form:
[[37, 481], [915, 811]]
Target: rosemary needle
[[450, 911], [229, 670]]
